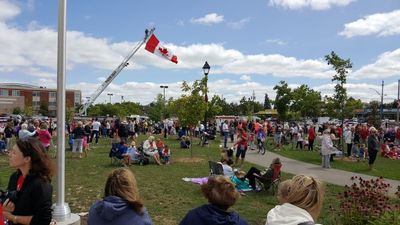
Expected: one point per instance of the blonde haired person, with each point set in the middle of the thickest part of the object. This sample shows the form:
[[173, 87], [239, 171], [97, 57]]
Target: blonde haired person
[[121, 204], [221, 195], [303, 203], [283, 191]]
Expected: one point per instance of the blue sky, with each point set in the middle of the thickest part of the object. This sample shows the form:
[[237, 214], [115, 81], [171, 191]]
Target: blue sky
[[250, 45]]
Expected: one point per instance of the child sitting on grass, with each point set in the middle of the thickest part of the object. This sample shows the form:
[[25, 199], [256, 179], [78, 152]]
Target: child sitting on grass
[[166, 154]]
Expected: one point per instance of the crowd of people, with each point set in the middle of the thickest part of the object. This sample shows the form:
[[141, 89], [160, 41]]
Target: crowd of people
[[300, 198]]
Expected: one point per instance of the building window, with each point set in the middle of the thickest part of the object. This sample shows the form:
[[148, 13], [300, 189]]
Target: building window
[[36, 105], [3, 92], [52, 104], [52, 94], [77, 98], [36, 93], [16, 93]]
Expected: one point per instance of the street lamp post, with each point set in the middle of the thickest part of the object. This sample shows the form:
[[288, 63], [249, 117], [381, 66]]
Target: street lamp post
[[122, 99], [163, 87], [110, 94], [380, 95], [206, 70]]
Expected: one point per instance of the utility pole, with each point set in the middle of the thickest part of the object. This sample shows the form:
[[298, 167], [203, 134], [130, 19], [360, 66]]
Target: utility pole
[[110, 94], [163, 114]]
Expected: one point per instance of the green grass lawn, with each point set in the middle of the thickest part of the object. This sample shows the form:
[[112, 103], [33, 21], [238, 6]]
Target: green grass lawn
[[166, 196], [384, 167]]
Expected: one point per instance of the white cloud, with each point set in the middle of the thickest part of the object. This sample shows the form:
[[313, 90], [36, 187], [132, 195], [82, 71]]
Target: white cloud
[[8, 10], [313, 4], [238, 24], [245, 77], [278, 65], [208, 19], [276, 41], [231, 90], [387, 65], [381, 24], [363, 91]]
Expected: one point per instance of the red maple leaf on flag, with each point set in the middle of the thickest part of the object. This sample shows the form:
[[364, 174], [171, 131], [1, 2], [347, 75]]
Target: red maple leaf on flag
[[163, 51]]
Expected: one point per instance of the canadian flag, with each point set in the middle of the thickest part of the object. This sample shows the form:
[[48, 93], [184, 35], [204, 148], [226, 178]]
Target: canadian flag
[[153, 46]]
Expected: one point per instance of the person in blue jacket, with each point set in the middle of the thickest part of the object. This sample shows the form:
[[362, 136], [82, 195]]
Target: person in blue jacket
[[121, 204], [221, 195]]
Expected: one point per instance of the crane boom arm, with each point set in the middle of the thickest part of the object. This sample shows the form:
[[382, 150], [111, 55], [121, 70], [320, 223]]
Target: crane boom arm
[[115, 73]]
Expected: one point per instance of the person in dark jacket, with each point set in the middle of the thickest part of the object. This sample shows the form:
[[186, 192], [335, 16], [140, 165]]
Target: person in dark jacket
[[78, 135], [221, 195], [123, 131], [121, 204], [373, 146], [31, 200]]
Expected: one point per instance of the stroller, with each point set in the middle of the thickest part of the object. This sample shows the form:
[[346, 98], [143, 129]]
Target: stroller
[[271, 178], [138, 156]]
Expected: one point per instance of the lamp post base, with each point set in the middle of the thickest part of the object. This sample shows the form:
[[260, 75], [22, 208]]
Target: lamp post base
[[62, 214]]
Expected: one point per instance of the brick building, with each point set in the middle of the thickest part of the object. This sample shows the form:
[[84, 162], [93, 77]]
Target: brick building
[[14, 95]]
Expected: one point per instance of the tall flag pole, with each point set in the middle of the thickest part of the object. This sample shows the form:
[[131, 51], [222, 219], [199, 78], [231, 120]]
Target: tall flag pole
[[61, 210]]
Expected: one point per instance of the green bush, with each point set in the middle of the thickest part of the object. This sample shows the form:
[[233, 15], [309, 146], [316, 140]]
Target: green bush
[[391, 217]]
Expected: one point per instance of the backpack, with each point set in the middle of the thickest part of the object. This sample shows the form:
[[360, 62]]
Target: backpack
[[144, 161]]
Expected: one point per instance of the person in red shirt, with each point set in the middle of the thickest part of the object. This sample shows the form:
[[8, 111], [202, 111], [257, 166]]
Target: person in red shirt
[[241, 146], [364, 134], [398, 136], [44, 136], [311, 138]]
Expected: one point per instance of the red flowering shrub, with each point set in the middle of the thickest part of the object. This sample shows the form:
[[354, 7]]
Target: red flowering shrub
[[365, 201]]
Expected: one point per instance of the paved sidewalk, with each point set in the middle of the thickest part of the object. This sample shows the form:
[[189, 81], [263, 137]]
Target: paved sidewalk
[[334, 176]]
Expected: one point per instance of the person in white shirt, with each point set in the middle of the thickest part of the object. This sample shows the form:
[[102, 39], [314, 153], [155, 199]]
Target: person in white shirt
[[23, 134], [225, 131], [349, 138], [95, 130], [302, 203]]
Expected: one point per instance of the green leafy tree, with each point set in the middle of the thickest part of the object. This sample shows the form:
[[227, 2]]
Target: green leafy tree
[[306, 101], [17, 110], [350, 107], [267, 102], [44, 108], [156, 108], [282, 99], [214, 107], [28, 111], [341, 67], [69, 113], [373, 116]]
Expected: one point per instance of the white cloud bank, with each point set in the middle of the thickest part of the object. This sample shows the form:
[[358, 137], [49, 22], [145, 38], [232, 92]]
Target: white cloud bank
[[387, 65], [313, 4], [32, 51], [381, 24], [208, 19]]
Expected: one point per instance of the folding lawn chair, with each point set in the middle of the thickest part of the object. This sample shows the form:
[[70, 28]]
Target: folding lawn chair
[[215, 168], [270, 179], [116, 152]]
